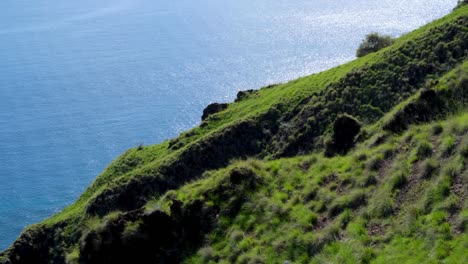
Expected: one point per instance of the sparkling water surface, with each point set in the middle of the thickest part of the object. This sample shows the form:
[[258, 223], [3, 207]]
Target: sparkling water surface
[[82, 81]]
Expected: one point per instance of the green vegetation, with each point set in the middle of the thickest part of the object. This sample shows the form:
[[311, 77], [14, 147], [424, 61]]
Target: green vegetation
[[461, 3], [364, 163], [373, 43]]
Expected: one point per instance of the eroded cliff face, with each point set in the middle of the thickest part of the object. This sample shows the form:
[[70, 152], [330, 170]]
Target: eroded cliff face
[[166, 237]]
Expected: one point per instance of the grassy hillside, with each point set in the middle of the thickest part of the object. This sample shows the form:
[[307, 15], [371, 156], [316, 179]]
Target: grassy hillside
[[269, 179]]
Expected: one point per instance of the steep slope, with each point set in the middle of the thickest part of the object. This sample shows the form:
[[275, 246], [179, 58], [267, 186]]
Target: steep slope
[[393, 195], [402, 187]]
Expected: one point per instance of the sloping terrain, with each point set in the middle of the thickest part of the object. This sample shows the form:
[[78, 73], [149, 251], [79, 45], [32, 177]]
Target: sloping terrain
[[365, 162]]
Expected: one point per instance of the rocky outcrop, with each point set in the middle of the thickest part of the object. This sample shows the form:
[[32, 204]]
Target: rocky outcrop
[[213, 109]]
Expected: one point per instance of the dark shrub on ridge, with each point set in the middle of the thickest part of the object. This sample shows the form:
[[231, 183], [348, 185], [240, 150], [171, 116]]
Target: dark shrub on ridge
[[372, 43], [213, 109]]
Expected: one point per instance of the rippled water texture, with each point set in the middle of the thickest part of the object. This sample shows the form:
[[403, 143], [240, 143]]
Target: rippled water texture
[[82, 81]]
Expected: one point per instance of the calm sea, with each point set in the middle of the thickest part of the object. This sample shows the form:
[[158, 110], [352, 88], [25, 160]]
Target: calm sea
[[82, 81]]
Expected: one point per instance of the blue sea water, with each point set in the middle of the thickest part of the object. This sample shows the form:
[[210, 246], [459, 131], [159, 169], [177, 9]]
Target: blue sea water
[[82, 81]]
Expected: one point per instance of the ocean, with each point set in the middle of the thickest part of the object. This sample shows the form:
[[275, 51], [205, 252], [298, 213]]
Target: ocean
[[82, 81]]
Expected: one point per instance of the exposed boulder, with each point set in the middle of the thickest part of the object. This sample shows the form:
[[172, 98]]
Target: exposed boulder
[[241, 95], [213, 109]]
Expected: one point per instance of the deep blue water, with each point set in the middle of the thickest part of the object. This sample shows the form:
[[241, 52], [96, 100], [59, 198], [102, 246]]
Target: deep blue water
[[82, 81]]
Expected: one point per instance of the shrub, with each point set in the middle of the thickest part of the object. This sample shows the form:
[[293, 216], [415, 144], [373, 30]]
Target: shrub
[[437, 193], [372, 43], [398, 181], [368, 178], [374, 163], [388, 151], [461, 3], [345, 129], [353, 200], [461, 223], [360, 157], [453, 168], [424, 150], [464, 151], [206, 254], [437, 129], [448, 144], [449, 205], [249, 259], [428, 167], [131, 230], [383, 206]]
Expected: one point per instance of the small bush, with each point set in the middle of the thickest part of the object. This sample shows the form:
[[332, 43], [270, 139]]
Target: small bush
[[428, 168], [453, 168], [131, 230], [236, 235], [461, 223], [374, 163], [310, 192], [464, 151], [388, 151], [71, 257], [448, 144], [378, 139], [360, 157], [381, 207], [206, 254], [345, 129], [398, 181], [352, 201], [367, 179], [345, 218], [249, 259], [449, 205], [437, 129], [373, 43], [423, 150], [437, 193]]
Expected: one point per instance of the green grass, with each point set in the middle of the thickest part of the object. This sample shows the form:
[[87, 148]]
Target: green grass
[[391, 199], [293, 227], [287, 94]]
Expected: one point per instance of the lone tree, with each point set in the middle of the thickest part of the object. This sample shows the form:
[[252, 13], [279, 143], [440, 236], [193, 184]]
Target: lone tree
[[372, 43]]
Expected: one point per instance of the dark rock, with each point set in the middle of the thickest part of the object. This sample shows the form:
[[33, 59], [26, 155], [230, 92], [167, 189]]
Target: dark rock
[[241, 95], [213, 109]]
